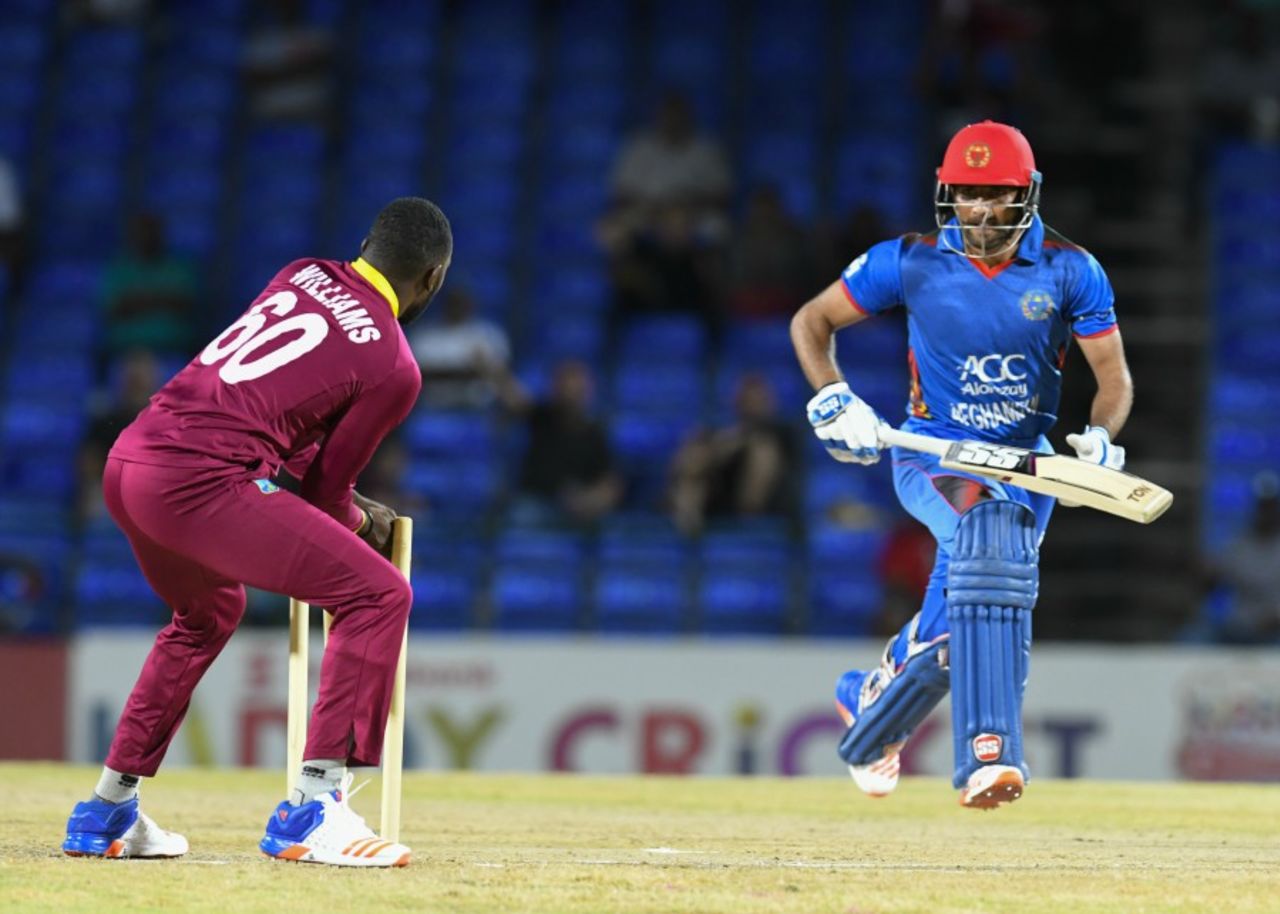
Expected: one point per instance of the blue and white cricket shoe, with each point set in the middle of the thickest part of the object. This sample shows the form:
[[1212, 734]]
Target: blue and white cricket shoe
[[328, 830], [879, 778], [101, 829]]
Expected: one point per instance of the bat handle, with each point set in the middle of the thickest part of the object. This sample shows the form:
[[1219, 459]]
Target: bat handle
[[894, 437]]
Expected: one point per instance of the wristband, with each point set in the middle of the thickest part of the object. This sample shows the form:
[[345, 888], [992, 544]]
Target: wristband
[[364, 524]]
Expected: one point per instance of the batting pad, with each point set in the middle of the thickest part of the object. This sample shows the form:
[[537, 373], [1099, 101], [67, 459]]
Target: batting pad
[[893, 701], [991, 589]]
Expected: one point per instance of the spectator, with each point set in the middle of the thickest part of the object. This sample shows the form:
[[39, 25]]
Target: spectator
[[666, 231], [139, 379], [1249, 568], [668, 270], [464, 358], [287, 66], [671, 162], [837, 242], [769, 262], [1240, 79], [569, 474], [148, 294], [741, 470]]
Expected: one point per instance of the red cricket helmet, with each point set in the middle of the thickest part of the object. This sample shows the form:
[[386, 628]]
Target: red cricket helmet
[[989, 153]]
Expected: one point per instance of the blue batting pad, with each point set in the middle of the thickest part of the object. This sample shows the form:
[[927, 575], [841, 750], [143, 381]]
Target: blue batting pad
[[895, 702], [991, 589]]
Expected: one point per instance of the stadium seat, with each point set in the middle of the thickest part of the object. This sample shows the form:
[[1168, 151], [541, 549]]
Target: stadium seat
[[743, 603], [640, 598], [842, 605], [537, 597], [443, 598]]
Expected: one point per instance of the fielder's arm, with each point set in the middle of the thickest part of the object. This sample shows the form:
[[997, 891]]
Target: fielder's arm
[[1114, 399], [331, 477], [813, 333]]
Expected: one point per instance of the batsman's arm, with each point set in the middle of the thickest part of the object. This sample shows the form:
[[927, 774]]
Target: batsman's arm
[[813, 332], [1114, 399], [347, 448]]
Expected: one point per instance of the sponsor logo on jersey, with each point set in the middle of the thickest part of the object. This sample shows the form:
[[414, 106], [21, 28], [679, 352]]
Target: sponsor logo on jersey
[[978, 155], [987, 747], [993, 415], [1037, 305], [266, 486], [994, 374]]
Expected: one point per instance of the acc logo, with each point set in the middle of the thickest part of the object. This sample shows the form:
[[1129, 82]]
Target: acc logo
[[987, 747], [266, 486], [994, 368], [978, 155], [1037, 305]]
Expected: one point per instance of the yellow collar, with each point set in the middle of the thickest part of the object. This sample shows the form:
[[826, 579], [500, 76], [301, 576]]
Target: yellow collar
[[379, 282]]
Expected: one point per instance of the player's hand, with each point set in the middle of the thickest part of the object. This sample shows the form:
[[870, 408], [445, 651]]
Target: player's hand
[[847, 427], [377, 531], [1094, 445]]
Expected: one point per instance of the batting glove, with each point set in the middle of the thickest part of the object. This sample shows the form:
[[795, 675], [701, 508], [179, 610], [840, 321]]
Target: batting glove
[[846, 426], [1094, 445]]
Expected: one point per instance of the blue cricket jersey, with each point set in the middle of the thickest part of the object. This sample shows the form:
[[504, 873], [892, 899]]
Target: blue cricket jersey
[[986, 345]]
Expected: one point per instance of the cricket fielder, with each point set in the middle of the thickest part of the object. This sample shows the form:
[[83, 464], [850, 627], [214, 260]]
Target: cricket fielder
[[311, 378], [993, 299]]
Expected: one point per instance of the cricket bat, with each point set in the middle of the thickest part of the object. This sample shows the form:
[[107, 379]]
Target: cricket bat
[[1067, 478]]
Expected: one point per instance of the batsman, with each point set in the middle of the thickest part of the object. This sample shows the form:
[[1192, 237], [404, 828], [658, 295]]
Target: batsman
[[993, 299], [309, 379]]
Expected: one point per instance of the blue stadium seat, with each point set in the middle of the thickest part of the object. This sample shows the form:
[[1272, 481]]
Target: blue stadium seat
[[640, 599], [104, 48], [1244, 446], [657, 386], [748, 543], [116, 593], [661, 546], [47, 374], [533, 546], [443, 598], [537, 597], [743, 603], [572, 291], [843, 606], [844, 547], [51, 474], [676, 337], [645, 444], [464, 486], [576, 336], [47, 426], [23, 47], [452, 434]]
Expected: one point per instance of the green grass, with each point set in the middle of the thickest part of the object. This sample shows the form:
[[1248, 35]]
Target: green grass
[[568, 844]]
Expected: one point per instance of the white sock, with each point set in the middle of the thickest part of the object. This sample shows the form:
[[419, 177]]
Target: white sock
[[116, 786], [318, 776]]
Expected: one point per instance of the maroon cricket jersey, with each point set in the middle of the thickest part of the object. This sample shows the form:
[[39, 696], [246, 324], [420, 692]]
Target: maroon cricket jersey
[[313, 375]]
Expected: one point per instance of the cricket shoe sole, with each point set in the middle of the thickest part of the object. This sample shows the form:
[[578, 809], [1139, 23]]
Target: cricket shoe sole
[[991, 786]]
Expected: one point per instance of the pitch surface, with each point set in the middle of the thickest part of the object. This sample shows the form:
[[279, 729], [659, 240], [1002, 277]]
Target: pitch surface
[[565, 844]]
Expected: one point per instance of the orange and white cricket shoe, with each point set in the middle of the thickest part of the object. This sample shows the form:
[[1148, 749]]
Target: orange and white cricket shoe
[[328, 830], [991, 786]]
